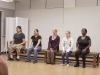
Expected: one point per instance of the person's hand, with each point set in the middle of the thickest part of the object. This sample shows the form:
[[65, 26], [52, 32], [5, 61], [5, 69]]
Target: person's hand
[[35, 48], [10, 44], [28, 48], [84, 50], [18, 45], [63, 51], [77, 49], [51, 49]]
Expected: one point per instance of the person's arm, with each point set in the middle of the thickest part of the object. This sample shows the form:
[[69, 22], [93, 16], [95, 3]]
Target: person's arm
[[63, 44], [49, 43], [77, 43], [3, 67], [88, 45], [39, 41], [24, 41], [30, 44], [89, 40], [70, 48], [57, 43], [12, 42]]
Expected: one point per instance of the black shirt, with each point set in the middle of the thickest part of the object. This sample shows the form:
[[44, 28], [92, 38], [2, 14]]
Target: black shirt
[[35, 40], [18, 38], [83, 43]]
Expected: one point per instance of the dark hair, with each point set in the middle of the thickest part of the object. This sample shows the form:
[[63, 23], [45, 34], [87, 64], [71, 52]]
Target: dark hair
[[85, 30], [19, 28], [37, 30]]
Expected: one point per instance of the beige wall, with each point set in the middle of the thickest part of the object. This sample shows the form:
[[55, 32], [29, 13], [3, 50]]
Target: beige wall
[[65, 15], [72, 18], [5, 13]]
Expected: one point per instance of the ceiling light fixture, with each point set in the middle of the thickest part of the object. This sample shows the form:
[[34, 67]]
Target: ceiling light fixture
[[7, 0]]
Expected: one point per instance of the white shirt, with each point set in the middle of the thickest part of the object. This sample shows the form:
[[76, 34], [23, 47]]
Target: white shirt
[[67, 44]]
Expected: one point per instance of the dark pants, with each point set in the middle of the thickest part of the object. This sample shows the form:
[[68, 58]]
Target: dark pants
[[80, 52], [50, 56], [67, 57]]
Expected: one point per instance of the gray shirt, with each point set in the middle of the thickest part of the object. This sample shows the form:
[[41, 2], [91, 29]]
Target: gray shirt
[[18, 38]]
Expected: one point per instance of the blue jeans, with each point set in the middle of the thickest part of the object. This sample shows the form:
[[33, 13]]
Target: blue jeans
[[35, 53], [67, 57]]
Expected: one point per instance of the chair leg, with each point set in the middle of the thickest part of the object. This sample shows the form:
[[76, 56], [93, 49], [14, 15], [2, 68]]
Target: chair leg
[[94, 61]]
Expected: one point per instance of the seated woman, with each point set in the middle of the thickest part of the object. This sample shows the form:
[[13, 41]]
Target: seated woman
[[53, 46], [36, 39], [83, 44], [17, 44], [67, 46]]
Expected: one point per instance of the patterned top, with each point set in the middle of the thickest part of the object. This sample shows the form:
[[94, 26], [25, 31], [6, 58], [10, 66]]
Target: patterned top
[[67, 44]]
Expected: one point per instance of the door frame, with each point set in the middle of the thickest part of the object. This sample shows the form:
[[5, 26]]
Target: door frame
[[0, 28]]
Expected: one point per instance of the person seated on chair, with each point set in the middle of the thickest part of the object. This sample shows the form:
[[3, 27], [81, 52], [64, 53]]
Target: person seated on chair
[[67, 46], [17, 44], [3, 67], [37, 46], [53, 46], [83, 44]]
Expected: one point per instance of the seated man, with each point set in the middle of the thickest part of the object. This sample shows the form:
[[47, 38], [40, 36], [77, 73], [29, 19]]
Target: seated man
[[17, 44], [3, 67]]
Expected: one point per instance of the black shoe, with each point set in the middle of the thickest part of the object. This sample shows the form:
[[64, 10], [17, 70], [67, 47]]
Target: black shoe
[[48, 63], [83, 66], [17, 59], [52, 63], [10, 59], [34, 62], [77, 65], [28, 61]]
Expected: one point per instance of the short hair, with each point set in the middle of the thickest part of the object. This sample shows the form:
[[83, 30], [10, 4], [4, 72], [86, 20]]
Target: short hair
[[85, 30]]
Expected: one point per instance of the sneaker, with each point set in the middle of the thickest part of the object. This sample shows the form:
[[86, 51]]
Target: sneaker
[[28, 61], [34, 62], [17, 59], [10, 59], [67, 64], [62, 64]]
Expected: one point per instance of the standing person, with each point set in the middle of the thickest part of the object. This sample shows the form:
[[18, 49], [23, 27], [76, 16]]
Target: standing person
[[17, 44], [37, 46], [67, 46], [83, 44], [53, 46]]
